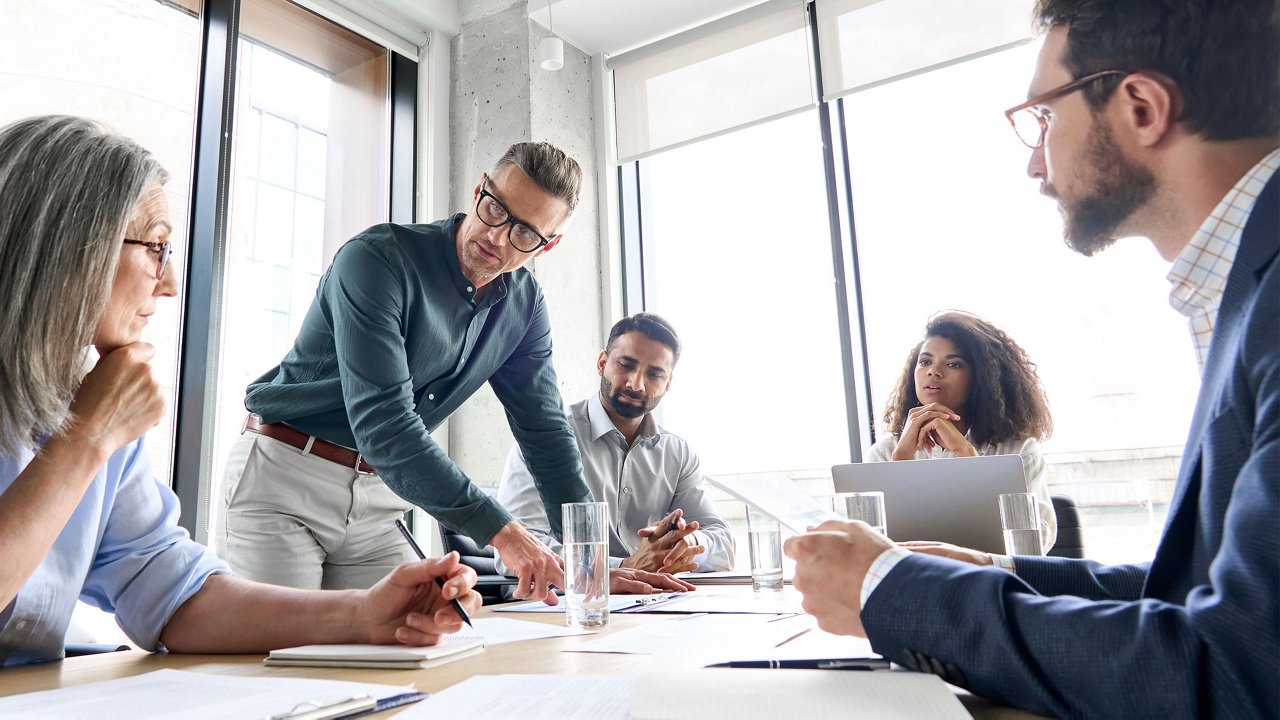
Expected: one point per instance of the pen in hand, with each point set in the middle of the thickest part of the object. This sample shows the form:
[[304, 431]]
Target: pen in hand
[[457, 606]]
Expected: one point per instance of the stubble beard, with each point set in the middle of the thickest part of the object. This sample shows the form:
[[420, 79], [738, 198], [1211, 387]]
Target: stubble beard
[[1117, 189]]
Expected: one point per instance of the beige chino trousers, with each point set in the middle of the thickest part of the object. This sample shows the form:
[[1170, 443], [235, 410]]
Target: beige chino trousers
[[297, 520]]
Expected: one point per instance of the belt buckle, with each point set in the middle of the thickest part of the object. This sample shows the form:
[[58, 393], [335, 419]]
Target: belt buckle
[[359, 460]]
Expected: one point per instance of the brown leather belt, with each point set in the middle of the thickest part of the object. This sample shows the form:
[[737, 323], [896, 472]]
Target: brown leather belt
[[309, 444]]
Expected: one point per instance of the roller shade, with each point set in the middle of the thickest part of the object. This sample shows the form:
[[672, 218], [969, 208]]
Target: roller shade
[[864, 43], [749, 67]]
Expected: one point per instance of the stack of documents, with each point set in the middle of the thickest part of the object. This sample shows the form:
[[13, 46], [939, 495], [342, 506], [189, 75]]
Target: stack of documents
[[378, 656]]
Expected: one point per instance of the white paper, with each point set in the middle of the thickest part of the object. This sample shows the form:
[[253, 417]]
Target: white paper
[[531, 697], [723, 694], [497, 631], [185, 694], [726, 634], [777, 496], [732, 600], [616, 603]]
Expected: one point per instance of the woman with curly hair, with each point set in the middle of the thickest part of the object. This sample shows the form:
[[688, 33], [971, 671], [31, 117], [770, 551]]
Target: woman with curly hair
[[968, 389]]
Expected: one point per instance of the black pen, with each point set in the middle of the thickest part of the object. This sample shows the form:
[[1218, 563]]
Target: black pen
[[457, 606], [828, 664]]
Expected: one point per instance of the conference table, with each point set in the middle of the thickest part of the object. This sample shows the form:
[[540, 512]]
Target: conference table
[[527, 657]]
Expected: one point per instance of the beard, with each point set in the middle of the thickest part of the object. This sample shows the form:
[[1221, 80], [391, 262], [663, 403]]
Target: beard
[[1117, 188], [612, 397]]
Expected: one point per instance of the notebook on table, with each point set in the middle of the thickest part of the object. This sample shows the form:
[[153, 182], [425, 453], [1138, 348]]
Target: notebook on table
[[377, 656], [951, 500]]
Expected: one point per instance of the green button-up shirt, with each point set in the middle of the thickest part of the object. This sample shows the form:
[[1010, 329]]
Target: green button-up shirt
[[395, 341]]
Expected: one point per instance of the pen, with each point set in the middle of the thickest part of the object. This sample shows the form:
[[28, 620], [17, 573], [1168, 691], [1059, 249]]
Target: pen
[[829, 664], [457, 606], [328, 710], [387, 703]]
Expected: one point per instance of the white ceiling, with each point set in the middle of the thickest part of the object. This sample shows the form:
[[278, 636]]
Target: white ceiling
[[614, 26]]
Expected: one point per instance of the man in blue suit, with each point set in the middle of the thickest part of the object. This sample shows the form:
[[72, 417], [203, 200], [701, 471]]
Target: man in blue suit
[[1155, 118]]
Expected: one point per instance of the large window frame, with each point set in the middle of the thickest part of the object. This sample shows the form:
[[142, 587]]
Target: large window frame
[[195, 405], [1123, 509], [632, 182]]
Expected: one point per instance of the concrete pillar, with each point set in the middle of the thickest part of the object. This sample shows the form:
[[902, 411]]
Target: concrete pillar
[[500, 96]]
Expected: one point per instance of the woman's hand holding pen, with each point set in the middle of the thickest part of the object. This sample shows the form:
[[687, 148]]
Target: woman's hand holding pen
[[408, 607]]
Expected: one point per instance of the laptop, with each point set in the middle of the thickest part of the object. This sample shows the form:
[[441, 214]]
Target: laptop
[[953, 500]]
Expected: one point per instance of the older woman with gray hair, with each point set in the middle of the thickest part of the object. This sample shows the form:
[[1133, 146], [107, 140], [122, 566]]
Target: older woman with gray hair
[[84, 250]]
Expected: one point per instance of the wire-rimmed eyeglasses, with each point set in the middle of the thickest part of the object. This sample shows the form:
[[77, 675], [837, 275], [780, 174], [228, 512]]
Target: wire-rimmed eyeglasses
[[162, 251], [1031, 122], [494, 214]]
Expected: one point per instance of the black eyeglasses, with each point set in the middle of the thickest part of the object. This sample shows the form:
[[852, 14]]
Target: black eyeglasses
[[493, 213], [1031, 122], [162, 250]]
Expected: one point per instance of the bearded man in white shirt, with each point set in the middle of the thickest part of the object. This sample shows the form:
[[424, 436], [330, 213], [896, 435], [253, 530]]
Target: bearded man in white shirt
[[662, 519]]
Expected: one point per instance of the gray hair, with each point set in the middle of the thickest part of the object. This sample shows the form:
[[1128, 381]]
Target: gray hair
[[548, 167], [68, 188]]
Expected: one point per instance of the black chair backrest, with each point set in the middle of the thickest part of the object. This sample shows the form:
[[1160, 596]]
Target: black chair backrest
[[1070, 542], [492, 586]]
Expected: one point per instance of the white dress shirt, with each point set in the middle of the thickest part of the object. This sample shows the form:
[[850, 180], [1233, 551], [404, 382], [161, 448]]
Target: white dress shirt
[[656, 475]]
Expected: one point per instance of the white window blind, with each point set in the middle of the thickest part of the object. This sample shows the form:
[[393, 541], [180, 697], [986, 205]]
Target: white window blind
[[864, 43], [743, 69]]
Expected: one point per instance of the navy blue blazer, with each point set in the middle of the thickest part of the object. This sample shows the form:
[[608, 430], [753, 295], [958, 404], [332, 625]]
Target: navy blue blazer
[[1195, 632]]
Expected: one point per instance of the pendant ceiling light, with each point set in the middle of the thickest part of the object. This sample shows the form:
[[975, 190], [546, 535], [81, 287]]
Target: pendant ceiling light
[[551, 49]]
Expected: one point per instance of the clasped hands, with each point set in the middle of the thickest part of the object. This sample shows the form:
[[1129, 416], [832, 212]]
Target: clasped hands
[[668, 545], [932, 425]]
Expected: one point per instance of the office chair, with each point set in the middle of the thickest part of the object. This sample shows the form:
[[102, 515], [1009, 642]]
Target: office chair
[[493, 586], [1070, 542]]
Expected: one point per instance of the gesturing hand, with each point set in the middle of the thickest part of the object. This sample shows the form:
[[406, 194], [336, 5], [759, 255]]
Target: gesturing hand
[[533, 563], [831, 562]]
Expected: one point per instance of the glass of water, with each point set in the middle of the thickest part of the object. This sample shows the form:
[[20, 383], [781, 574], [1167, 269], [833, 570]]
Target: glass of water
[[865, 506], [586, 564], [765, 539], [1020, 521]]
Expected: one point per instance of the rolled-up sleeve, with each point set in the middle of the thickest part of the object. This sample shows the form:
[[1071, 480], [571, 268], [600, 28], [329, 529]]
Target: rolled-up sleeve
[[146, 565]]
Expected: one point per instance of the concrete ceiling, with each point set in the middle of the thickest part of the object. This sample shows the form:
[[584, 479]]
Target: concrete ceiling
[[614, 26]]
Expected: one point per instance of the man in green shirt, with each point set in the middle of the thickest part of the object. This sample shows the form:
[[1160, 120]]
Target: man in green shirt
[[407, 323]]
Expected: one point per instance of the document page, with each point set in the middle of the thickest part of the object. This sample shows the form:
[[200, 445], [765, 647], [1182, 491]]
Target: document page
[[185, 694], [777, 496], [714, 694], [707, 633], [496, 631], [531, 697]]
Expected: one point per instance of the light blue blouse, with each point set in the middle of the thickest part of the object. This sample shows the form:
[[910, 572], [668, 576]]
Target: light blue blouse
[[122, 551]]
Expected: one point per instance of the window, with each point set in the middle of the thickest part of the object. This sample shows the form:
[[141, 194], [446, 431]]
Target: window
[[310, 168], [946, 218], [121, 84], [739, 252], [733, 245]]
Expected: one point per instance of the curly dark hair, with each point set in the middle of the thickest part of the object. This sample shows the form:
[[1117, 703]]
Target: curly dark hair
[[1006, 400]]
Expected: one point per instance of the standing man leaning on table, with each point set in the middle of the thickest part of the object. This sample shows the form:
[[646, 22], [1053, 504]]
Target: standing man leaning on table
[[644, 472], [84, 259], [406, 324], [1154, 118]]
